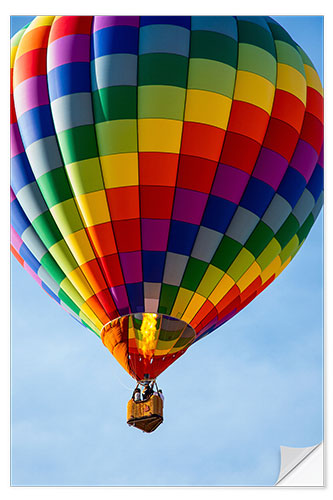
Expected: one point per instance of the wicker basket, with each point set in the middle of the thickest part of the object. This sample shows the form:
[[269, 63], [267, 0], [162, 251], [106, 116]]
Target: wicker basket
[[145, 415]]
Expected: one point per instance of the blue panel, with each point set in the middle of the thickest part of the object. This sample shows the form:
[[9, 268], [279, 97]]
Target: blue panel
[[257, 196], [164, 39], [135, 296], [114, 40], [221, 24], [153, 266], [54, 296], [184, 21], [69, 79], [36, 124], [29, 258], [218, 213], [292, 186], [316, 182], [21, 173], [19, 220], [182, 237]]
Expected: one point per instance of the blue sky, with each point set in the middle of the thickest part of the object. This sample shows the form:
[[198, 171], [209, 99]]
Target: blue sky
[[231, 400]]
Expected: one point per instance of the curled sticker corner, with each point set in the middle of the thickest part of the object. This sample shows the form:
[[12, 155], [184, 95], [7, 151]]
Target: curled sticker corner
[[291, 460]]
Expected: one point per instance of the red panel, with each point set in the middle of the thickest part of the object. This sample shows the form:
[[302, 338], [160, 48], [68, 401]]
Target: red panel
[[123, 202], [105, 298], [102, 239], [94, 275], [288, 108], [313, 131], [112, 270], [240, 152], [17, 255], [158, 169], [95, 306], [30, 64], [248, 120], [69, 25], [202, 140], [196, 173], [128, 235], [229, 302], [281, 138], [205, 314], [156, 202], [315, 104]]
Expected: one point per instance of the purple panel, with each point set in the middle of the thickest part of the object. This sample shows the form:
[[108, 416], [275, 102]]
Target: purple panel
[[304, 159], [155, 234], [101, 22], [119, 296], [189, 205], [68, 49], [270, 168], [229, 183], [132, 266], [31, 93], [16, 146]]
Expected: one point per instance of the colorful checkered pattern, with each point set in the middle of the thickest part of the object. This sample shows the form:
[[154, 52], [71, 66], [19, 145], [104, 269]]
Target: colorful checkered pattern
[[169, 165]]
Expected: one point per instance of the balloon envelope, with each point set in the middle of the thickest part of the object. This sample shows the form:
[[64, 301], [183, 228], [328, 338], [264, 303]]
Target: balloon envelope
[[162, 165]]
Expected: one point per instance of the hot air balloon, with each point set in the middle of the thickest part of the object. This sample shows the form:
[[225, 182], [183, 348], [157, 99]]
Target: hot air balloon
[[165, 170]]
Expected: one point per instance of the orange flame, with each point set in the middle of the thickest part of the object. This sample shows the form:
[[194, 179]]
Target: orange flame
[[148, 330]]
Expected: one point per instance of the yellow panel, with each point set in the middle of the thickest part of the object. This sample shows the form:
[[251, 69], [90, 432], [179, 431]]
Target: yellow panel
[[80, 246], [81, 284], [254, 89], [209, 281], [13, 51], [313, 80], [92, 316], [94, 208], [120, 170], [92, 325], [249, 276], [207, 107], [284, 265], [182, 299], [221, 289], [62, 255], [67, 217], [159, 135], [292, 81], [72, 293], [196, 302], [271, 269]]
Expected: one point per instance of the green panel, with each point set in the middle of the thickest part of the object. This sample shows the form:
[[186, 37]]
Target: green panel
[[182, 342], [287, 230], [78, 143], [254, 34], [259, 239], [117, 136], [64, 298], [85, 176], [289, 249], [67, 217], [212, 45], [241, 264], [226, 253], [269, 253], [161, 101], [286, 54], [305, 57], [162, 69], [54, 186], [114, 103], [211, 279], [214, 76], [280, 34], [167, 335], [65, 259], [194, 272], [50, 265], [167, 298], [46, 229], [305, 228], [257, 60]]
